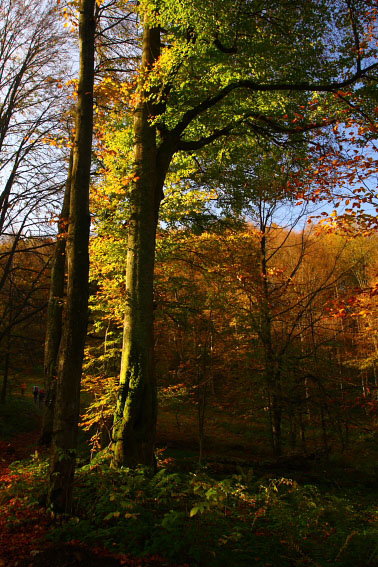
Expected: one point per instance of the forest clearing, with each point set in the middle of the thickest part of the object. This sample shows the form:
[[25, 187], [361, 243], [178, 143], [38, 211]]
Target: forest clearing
[[188, 283]]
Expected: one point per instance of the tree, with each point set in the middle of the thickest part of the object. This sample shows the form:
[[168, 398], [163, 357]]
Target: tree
[[112, 49], [55, 312], [22, 305], [242, 312], [216, 72], [32, 66], [135, 416], [66, 412]]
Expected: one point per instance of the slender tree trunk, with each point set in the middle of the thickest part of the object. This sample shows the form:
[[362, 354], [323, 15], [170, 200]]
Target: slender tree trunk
[[55, 313], [202, 399], [6, 368], [277, 417], [293, 429], [136, 412], [302, 425], [272, 366], [66, 414], [8, 347], [324, 431]]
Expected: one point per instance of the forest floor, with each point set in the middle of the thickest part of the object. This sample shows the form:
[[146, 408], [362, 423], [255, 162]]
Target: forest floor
[[314, 514], [23, 525], [23, 541]]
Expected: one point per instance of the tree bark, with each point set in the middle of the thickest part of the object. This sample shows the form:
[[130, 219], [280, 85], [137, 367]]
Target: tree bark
[[136, 412], [66, 415], [55, 313]]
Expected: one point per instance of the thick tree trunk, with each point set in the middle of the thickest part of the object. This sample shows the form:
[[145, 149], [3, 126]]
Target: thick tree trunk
[[136, 412], [67, 404], [55, 313]]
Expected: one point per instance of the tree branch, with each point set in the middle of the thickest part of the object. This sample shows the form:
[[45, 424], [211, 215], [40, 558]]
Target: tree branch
[[274, 127], [251, 85], [198, 144]]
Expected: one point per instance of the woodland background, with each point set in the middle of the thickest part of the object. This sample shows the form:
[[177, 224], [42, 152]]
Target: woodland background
[[264, 295]]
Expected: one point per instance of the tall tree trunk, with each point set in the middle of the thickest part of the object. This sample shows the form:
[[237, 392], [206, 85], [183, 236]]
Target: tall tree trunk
[[136, 412], [66, 414], [55, 313]]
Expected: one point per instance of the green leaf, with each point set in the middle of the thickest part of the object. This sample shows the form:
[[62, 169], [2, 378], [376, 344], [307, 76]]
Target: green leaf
[[194, 511]]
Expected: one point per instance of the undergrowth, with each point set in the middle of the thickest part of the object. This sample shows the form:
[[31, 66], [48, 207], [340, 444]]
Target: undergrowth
[[193, 518]]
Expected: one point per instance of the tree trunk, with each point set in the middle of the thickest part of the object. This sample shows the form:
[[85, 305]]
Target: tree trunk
[[136, 412], [8, 347], [202, 391], [324, 431], [67, 404], [302, 425], [5, 387], [55, 313], [277, 417], [272, 365], [293, 428]]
